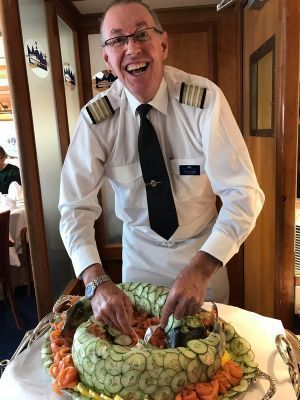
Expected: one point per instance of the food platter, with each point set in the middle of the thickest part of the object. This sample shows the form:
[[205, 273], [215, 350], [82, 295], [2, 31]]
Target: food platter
[[111, 370]]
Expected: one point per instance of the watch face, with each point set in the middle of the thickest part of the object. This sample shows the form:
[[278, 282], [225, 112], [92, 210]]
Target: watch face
[[89, 290]]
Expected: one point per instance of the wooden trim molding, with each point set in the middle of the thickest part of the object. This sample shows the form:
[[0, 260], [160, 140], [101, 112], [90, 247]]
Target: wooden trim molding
[[286, 159], [58, 77], [18, 83]]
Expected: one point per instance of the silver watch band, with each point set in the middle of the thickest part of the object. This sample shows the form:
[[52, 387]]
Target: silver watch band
[[101, 279]]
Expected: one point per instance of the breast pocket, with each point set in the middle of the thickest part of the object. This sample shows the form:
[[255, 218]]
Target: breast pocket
[[189, 179], [127, 182]]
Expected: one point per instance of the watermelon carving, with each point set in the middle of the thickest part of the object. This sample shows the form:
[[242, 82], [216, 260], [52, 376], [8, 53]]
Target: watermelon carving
[[134, 373], [111, 367]]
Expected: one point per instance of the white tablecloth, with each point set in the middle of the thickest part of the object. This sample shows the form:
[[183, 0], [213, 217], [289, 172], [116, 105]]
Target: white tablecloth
[[24, 378], [17, 221]]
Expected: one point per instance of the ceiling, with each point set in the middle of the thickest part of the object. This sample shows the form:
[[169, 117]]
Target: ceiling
[[99, 6]]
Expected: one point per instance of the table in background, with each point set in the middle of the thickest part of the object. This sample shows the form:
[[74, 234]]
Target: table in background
[[17, 221], [25, 378]]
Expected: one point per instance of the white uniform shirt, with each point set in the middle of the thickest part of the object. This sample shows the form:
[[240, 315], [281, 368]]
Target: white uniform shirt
[[207, 138]]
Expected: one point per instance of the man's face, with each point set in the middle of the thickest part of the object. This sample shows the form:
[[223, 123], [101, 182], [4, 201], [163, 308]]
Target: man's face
[[138, 65]]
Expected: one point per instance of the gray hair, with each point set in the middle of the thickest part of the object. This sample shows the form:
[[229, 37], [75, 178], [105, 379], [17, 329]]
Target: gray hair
[[124, 2]]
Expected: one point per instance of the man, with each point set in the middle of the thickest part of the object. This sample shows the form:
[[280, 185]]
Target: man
[[203, 152], [8, 172]]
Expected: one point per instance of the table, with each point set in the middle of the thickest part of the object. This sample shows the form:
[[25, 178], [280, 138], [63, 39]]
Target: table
[[25, 379]]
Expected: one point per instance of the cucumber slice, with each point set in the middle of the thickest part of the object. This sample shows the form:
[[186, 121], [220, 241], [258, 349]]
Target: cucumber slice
[[47, 362], [186, 352], [46, 348], [163, 393], [249, 356], [229, 332], [132, 286], [247, 369], [112, 383], [158, 357], [212, 369], [141, 289], [251, 364], [102, 348], [203, 376], [250, 376], [239, 346], [242, 387], [213, 339], [152, 297], [130, 378], [100, 371], [184, 361], [197, 346], [171, 360], [131, 392], [99, 386], [147, 383], [113, 331], [120, 349], [165, 378], [162, 298], [144, 305], [88, 366], [136, 361], [230, 394], [153, 369], [179, 381], [113, 367], [123, 340], [193, 322], [209, 357], [194, 371], [116, 356], [87, 378], [90, 351], [84, 337]]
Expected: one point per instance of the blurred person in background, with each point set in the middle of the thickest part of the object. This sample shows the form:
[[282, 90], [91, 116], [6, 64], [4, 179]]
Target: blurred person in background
[[8, 172]]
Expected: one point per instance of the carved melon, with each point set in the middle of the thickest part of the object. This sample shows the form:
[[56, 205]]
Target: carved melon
[[154, 373]]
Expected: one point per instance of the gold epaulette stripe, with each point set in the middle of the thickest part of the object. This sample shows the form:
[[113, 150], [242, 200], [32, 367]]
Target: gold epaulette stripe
[[192, 95], [99, 110]]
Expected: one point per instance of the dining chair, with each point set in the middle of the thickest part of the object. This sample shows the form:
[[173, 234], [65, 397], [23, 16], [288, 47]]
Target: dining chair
[[5, 275], [26, 258]]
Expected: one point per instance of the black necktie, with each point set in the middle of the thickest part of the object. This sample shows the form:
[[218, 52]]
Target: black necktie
[[161, 207]]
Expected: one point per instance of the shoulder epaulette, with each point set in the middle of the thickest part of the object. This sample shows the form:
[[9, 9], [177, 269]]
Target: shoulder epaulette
[[192, 95], [99, 110]]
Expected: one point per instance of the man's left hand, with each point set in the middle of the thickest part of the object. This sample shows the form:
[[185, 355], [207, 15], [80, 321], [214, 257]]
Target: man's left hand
[[186, 295]]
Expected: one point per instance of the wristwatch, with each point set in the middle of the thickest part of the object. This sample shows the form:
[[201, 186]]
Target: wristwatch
[[92, 286]]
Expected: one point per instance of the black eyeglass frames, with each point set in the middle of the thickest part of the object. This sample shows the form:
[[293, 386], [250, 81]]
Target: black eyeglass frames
[[139, 36]]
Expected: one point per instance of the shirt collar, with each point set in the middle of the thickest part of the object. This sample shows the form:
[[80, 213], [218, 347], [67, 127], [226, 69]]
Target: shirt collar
[[159, 101]]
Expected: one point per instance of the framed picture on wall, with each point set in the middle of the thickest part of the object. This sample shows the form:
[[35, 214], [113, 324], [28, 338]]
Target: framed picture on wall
[[262, 89]]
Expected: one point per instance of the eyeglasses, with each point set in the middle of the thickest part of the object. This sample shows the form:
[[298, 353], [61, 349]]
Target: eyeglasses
[[139, 36]]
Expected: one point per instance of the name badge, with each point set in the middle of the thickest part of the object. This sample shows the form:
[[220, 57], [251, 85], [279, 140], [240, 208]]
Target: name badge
[[189, 169]]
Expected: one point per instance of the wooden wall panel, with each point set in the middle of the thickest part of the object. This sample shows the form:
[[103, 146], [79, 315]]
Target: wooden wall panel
[[269, 252], [229, 80], [183, 44], [260, 247]]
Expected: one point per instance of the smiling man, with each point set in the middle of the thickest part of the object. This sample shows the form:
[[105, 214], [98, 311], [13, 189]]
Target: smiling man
[[168, 143]]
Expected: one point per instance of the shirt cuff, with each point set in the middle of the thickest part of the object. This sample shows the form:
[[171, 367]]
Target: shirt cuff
[[220, 246], [83, 257]]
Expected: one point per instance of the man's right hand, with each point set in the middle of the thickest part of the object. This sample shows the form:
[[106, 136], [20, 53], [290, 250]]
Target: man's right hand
[[111, 306], [109, 303]]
